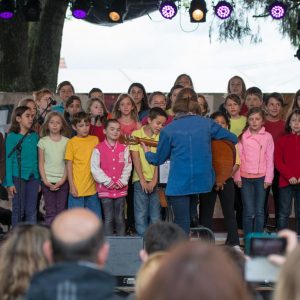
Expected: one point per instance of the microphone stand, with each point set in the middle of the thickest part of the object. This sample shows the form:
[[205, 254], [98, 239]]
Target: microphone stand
[[18, 149]]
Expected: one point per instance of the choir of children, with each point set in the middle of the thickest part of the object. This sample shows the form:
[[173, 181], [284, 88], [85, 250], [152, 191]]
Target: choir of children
[[93, 168]]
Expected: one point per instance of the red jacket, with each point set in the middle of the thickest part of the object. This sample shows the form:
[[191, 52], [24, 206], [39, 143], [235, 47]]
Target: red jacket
[[287, 158]]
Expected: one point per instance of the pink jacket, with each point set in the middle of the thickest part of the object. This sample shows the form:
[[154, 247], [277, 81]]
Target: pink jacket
[[111, 165], [256, 153]]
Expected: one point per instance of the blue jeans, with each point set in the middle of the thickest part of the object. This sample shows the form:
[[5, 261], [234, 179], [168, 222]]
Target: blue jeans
[[253, 197], [181, 209], [285, 206], [29, 195], [91, 202], [146, 208]]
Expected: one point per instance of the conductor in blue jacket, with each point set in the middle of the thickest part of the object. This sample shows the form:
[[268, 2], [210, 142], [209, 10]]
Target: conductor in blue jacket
[[186, 142]]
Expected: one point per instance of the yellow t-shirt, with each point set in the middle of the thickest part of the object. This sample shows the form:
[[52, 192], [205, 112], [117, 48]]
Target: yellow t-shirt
[[170, 112], [237, 156], [237, 125], [79, 151], [148, 169]]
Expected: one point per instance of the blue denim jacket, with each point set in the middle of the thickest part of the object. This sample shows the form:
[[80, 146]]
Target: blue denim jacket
[[186, 142]]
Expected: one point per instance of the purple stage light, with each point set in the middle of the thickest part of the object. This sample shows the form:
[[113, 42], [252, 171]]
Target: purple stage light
[[277, 10], [79, 13], [168, 9], [7, 9], [6, 15], [223, 10]]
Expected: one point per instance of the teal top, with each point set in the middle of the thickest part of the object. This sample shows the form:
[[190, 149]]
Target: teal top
[[58, 108], [29, 157]]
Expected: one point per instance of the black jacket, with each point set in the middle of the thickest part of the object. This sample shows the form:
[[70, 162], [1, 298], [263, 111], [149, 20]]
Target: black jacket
[[68, 281]]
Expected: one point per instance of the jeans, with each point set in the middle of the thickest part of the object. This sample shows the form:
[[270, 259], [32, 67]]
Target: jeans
[[28, 200], [275, 192], [181, 209], [253, 197], [286, 195], [146, 208], [113, 212], [194, 210], [207, 205], [55, 201], [91, 202]]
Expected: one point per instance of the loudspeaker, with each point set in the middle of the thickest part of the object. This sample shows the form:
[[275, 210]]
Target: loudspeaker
[[124, 260]]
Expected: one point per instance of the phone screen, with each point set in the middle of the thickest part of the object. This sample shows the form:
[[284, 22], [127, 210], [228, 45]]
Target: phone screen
[[267, 246]]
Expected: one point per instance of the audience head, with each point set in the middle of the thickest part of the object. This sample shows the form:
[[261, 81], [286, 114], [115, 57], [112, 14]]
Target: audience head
[[194, 270], [65, 90], [187, 102], [21, 256], [254, 97], [185, 80], [236, 85], [77, 235], [138, 93], [162, 236], [239, 260], [288, 284], [147, 272]]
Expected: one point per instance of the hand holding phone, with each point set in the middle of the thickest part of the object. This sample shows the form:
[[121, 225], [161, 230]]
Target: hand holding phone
[[292, 241]]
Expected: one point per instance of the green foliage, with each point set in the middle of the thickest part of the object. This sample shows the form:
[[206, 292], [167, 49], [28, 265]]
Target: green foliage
[[244, 22]]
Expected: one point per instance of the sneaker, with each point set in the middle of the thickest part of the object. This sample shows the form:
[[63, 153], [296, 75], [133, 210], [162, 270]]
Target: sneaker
[[130, 231]]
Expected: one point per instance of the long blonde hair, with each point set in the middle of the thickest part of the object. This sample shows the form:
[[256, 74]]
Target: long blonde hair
[[288, 284], [21, 256], [147, 272], [116, 110], [65, 130]]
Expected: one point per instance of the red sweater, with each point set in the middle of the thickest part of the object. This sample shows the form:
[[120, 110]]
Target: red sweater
[[287, 158], [277, 129], [97, 131]]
